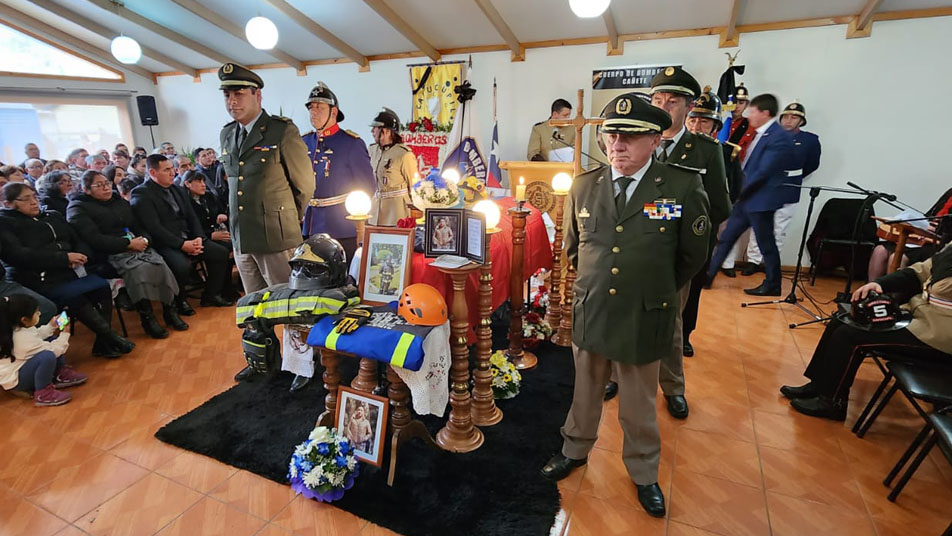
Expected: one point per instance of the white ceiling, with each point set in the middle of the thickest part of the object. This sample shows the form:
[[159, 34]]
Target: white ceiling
[[444, 23]]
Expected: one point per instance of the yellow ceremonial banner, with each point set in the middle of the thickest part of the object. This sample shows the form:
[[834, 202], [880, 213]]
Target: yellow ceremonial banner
[[433, 96]]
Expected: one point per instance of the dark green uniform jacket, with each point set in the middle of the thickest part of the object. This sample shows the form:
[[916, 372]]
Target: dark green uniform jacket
[[270, 181], [631, 266], [705, 154]]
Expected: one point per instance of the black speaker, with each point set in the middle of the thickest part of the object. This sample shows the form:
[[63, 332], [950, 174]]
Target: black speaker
[[147, 113]]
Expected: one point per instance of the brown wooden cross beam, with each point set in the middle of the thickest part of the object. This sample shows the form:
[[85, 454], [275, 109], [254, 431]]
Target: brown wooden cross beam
[[578, 122]]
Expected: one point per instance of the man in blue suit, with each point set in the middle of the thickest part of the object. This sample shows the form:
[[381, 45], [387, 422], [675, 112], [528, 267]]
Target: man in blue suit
[[806, 160], [765, 163]]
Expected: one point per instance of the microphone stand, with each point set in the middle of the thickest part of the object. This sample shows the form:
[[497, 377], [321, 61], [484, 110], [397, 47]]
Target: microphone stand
[[556, 137], [863, 215]]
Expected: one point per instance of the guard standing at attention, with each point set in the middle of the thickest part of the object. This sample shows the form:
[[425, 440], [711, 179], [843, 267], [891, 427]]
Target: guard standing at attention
[[269, 183], [395, 168], [741, 133], [674, 91], [637, 232], [341, 165]]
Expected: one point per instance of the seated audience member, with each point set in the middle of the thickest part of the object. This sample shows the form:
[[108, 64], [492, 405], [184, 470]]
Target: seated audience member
[[207, 208], [48, 309], [105, 222], [55, 165], [3, 178], [166, 148], [181, 164], [925, 288], [44, 253], [136, 169], [125, 188], [164, 213], [77, 162], [34, 170], [13, 173], [208, 164], [121, 147], [96, 162], [884, 252], [32, 151], [139, 150], [121, 159], [115, 174], [52, 189]]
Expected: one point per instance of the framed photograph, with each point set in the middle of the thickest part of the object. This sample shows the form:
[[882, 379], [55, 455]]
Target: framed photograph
[[385, 264], [475, 230], [444, 232], [362, 419]]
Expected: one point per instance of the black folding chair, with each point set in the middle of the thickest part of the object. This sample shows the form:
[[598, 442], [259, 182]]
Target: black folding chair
[[938, 430], [916, 381]]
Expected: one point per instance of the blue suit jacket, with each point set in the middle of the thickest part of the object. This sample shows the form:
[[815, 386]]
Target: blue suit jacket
[[806, 159], [765, 171]]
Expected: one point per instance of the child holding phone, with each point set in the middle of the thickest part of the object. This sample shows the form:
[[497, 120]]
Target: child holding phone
[[29, 360]]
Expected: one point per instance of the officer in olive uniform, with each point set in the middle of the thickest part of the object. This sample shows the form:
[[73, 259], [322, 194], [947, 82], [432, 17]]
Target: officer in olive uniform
[[544, 138], [674, 90], [269, 181], [341, 165], [395, 168], [636, 232]]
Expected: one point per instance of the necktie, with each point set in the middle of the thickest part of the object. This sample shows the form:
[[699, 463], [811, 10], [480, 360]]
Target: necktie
[[664, 149], [622, 198], [241, 137]]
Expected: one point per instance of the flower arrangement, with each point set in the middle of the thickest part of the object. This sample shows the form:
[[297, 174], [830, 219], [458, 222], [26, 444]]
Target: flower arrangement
[[535, 329], [323, 466], [473, 189], [426, 124], [506, 379], [539, 299], [434, 192]]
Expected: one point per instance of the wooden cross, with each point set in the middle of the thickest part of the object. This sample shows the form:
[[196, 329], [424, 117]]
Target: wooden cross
[[579, 122]]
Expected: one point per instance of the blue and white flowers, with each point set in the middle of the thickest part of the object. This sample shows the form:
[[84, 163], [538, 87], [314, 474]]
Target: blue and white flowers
[[323, 466]]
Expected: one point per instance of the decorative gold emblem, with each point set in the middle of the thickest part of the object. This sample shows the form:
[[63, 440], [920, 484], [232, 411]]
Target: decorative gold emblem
[[623, 106], [584, 213], [227, 68], [669, 71]]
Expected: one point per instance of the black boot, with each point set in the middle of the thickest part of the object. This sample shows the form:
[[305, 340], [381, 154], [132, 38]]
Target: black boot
[[103, 348], [171, 316], [106, 338], [184, 308], [149, 323]]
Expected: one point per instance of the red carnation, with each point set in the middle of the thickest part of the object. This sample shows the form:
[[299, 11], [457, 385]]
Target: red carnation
[[533, 318], [412, 127], [406, 223], [427, 124]]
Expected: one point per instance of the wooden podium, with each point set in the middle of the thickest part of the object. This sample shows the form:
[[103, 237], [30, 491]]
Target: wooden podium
[[538, 176]]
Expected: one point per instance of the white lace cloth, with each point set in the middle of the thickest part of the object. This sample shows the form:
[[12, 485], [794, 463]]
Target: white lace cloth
[[429, 386]]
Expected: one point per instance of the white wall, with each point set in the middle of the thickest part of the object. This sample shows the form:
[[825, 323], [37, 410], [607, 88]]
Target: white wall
[[880, 104]]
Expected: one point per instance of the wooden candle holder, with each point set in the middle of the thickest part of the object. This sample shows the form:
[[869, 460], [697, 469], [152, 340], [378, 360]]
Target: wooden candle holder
[[553, 313], [485, 412], [519, 357]]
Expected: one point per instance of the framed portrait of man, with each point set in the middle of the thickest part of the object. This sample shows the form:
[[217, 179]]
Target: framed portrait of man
[[444, 232], [385, 264], [362, 419]]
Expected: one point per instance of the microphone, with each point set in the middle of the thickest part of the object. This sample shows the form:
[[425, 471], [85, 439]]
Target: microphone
[[887, 197], [558, 138]]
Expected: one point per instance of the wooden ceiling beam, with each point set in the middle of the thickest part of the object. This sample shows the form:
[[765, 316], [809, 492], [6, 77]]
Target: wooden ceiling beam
[[862, 24], [488, 9], [93, 26], [71, 41], [730, 37], [616, 46], [393, 19], [157, 28], [232, 28], [321, 33]]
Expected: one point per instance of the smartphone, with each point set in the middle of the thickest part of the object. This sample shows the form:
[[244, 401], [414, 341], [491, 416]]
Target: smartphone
[[62, 320]]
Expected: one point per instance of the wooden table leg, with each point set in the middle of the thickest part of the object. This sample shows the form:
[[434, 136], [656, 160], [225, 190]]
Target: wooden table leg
[[459, 434], [896, 260], [366, 379], [329, 360], [402, 426]]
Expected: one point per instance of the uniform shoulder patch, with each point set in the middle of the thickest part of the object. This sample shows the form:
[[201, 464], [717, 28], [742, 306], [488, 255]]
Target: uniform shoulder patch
[[700, 225], [352, 134]]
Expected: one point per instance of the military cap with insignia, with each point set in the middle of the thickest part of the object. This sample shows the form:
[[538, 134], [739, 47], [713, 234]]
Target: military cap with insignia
[[234, 76], [708, 105], [630, 114], [795, 108], [322, 93], [741, 93], [675, 80], [387, 118]]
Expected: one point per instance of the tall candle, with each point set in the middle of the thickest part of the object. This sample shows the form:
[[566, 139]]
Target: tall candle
[[521, 190]]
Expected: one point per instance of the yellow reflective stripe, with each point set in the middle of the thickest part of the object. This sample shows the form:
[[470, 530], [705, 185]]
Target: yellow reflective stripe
[[399, 356], [253, 344], [331, 342]]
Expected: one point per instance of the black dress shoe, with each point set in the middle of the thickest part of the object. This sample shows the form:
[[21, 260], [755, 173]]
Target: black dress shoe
[[688, 350], [215, 301], [729, 272], [677, 406], [299, 382], [821, 406], [611, 391], [244, 374], [651, 499], [763, 290], [183, 307], [752, 269], [172, 319], [804, 391], [559, 467], [102, 347]]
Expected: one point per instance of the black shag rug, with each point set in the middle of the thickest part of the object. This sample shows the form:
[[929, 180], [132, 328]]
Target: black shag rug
[[495, 490]]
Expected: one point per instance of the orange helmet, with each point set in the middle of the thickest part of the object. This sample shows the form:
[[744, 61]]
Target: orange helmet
[[422, 305]]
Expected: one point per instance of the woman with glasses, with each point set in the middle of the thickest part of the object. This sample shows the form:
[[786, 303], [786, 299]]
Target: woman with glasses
[[44, 253], [34, 170], [105, 221], [52, 190]]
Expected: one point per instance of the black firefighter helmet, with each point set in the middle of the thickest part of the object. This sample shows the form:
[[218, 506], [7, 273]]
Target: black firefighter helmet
[[322, 93], [876, 312], [318, 263], [708, 105], [387, 118]]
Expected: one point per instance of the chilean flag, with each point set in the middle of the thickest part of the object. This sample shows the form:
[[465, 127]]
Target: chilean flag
[[492, 179]]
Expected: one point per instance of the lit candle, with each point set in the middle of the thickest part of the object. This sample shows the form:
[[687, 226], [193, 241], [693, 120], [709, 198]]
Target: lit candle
[[521, 190]]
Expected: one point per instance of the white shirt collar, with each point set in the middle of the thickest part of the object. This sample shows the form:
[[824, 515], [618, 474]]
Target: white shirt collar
[[253, 121], [636, 175], [763, 128], [677, 137]]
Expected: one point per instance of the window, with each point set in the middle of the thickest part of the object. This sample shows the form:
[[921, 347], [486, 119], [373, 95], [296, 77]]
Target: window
[[27, 54]]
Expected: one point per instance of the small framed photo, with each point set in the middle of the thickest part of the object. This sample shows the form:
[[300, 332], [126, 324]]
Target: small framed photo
[[385, 264], [475, 246], [362, 419], [444, 232]]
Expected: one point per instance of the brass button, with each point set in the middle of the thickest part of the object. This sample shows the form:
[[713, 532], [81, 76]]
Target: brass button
[[661, 229], [664, 304], [240, 207], [262, 160], [619, 228], [240, 192], [616, 249], [614, 271], [240, 177], [612, 291], [241, 163]]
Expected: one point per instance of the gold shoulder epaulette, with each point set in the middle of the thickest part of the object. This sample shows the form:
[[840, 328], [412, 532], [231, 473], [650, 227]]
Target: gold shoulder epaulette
[[352, 133]]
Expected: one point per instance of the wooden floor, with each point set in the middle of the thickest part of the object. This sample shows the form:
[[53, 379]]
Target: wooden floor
[[743, 463]]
